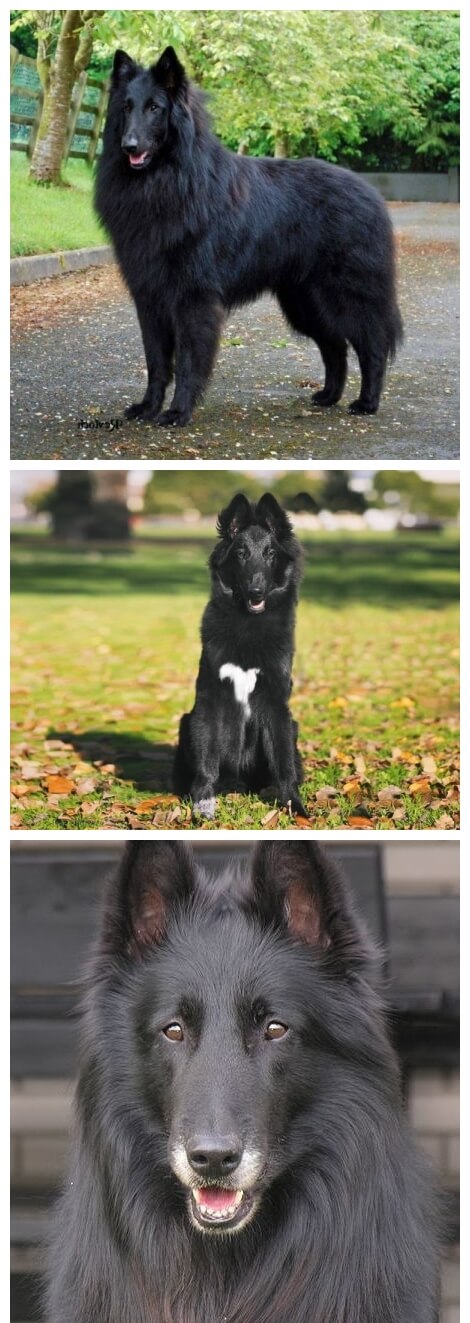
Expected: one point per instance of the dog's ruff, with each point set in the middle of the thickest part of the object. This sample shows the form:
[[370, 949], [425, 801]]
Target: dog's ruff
[[243, 683]]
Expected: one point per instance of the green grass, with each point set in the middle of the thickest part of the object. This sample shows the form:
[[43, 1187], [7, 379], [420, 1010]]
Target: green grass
[[105, 655], [45, 219]]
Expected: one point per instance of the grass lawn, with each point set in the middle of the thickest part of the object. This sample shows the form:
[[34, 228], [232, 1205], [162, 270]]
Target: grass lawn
[[105, 654], [44, 219]]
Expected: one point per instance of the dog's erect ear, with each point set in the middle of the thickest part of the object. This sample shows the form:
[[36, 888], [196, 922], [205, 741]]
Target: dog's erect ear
[[299, 886], [270, 513], [169, 73], [235, 517], [153, 878], [123, 68]]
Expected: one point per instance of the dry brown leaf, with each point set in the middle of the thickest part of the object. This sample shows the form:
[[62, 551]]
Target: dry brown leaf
[[419, 787], [60, 785], [387, 796], [30, 772], [324, 795], [302, 822], [87, 807], [444, 822], [19, 790], [107, 767], [360, 765], [351, 787], [429, 767], [360, 821], [399, 815], [271, 819], [86, 787]]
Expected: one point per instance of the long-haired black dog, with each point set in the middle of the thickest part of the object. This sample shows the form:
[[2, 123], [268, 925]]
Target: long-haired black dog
[[241, 1154], [240, 733], [199, 230]]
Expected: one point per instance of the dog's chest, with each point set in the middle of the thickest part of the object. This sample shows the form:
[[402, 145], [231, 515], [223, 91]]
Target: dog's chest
[[243, 683]]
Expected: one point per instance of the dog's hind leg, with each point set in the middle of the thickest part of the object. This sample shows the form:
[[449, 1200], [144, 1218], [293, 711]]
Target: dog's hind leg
[[299, 306], [158, 340], [197, 339], [372, 351]]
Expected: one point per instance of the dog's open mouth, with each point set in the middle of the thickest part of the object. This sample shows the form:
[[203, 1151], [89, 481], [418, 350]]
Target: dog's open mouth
[[256, 607], [138, 161], [212, 1206]]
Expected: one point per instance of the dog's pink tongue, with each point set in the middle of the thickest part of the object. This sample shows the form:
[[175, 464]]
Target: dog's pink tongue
[[217, 1200], [137, 160]]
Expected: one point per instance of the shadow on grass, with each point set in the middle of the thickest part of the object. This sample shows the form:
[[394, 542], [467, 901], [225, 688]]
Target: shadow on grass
[[148, 766], [419, 572]]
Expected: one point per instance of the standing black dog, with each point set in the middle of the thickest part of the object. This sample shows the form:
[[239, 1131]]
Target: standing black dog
[[199, 230], [240, 729], [242, 1154]]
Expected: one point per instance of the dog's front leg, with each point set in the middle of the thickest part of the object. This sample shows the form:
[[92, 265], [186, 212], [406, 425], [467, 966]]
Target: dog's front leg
[[206, 759], [159, 344], [197, 339], [279, 748]]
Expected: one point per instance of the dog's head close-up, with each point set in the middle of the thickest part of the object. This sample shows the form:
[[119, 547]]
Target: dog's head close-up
[[257, 561], [249, 1031]]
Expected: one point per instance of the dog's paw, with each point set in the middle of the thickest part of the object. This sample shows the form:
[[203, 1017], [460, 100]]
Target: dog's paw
[[136, 410], [173, 418], [204, 808], [324, 399], [296, 808], [357, 407]]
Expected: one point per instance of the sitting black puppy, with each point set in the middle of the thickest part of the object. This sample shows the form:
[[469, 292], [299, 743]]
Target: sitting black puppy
[[240, 730]]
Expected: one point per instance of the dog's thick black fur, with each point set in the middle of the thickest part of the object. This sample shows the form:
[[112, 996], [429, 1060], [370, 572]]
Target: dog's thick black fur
[[240, 733], [199, 230], [241, 1151]]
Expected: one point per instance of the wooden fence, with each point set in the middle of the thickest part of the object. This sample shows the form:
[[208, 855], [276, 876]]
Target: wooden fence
[[86, 114]]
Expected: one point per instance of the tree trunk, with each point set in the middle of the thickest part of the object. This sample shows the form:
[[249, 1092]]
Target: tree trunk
[[281, 145], [58, 78]]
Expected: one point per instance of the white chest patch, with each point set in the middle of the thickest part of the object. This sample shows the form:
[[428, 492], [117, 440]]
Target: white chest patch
[[243, 682]]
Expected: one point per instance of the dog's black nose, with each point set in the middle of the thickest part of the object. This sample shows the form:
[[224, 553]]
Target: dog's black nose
[[214, 1155], [129, 144]]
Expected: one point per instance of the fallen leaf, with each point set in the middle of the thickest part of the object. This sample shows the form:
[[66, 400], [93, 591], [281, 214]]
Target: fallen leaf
[[352, 787], [30, 772], [271, 819], [302, 822], [360, 765], [59, 785], [420, 787], [399, 815], [429, 767], [324, 795], [19, 790], [444, 822], [386, 797], [87, 807]]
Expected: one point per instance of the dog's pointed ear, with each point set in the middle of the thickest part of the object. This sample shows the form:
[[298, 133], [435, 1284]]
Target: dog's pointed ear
[[169, 73], [300, 888], [235, 517], [123, 68], [154, 878], [270, 513]]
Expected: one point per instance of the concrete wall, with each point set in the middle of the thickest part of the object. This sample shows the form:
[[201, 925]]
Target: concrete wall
[[416, 186]]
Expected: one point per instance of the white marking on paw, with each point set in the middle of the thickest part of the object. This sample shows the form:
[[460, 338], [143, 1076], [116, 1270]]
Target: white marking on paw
[[206, 808], [243, 682]]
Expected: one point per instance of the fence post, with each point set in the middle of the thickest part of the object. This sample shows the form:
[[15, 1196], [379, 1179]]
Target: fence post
[[35, 125], [75, 103], [98, 120]]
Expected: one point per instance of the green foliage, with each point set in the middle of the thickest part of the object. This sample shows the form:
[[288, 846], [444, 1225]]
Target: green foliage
[[173, 493], [415, 494], [47, 220], [350, 86]]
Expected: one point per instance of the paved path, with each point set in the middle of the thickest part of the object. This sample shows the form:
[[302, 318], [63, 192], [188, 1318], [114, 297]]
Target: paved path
[[77, 359]]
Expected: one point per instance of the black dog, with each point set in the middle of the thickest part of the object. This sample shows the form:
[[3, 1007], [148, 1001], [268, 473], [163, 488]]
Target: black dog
[[240, 729], [241, 1153], [198, 230]]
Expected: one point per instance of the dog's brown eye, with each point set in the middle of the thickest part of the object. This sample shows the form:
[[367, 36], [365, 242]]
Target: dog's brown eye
[[275, 1030], [174, 1032]]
